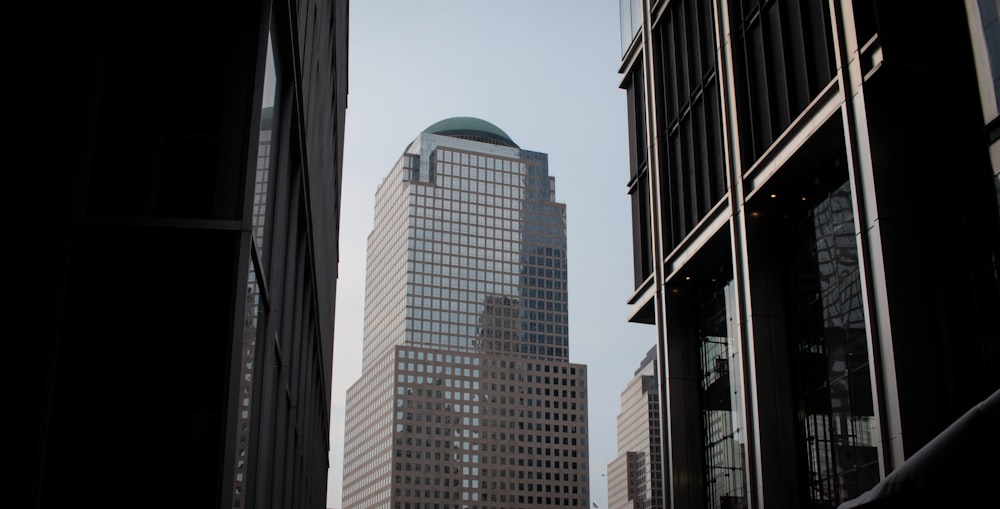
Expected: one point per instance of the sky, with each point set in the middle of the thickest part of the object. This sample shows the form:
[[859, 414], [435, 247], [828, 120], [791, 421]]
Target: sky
[[546, 73]]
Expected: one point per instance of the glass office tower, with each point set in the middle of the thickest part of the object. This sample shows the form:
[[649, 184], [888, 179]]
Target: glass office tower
[[814, 190], [467, 398]]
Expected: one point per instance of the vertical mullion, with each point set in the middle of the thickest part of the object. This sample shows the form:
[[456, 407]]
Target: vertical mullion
[[713, 133], [795, 54], [763, 135], [676, 187], [776, 70], [702, 166], [646, 226], [743, 82], [820, 72], [687, 145], [640, 117], [669, 61], [741, 85], [667, 95], [683, 55], [631, 99], [708, 46], [695, 52]]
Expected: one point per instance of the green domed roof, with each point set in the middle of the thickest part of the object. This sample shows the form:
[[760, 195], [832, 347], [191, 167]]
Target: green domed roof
[[471, 128]]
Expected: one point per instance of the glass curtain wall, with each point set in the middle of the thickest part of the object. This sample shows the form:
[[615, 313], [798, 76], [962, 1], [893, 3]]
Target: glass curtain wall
[[829, 357], [255, 304], [722, 410]]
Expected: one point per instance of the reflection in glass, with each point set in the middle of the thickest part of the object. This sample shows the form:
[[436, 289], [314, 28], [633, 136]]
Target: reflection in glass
[[830, 357], [722, 410], [630, 16], [989, 13], [488, 268], [254, 308]]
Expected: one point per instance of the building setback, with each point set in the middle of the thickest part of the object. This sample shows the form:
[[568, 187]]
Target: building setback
[[183, 245], [635, 476], [467, 398], [816, 238]]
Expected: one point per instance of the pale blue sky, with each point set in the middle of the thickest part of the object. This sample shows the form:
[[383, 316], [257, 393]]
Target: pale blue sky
[[546, 72]]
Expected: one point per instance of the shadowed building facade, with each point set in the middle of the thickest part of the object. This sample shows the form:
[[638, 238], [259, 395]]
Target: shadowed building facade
[[816, 236], [467, 398], [184, 253]]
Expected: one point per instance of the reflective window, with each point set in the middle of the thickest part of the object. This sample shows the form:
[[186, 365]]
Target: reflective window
[[988, 13], [830, 364], [722, 401], [630, 15]]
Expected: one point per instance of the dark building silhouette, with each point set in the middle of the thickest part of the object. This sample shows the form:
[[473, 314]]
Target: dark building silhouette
[[179, 259], [814, 191]]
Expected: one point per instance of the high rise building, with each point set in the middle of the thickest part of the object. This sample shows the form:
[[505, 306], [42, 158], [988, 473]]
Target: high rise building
[[467, 398], [183, 254], [635, 476], [816, 236]]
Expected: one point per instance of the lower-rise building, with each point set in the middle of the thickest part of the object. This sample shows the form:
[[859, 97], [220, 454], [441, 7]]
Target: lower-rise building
[[635, 476], [443, 430]]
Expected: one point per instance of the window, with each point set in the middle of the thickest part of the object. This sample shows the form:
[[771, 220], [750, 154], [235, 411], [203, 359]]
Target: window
[[689, 122], [782, 58]]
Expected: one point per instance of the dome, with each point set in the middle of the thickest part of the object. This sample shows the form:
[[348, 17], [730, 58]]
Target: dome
[[471, 128]]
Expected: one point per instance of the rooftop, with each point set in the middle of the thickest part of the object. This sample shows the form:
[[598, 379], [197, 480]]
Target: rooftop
[[471, 128]]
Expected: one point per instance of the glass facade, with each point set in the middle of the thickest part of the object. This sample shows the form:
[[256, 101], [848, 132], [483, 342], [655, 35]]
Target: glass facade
[[639, 184], [837, 429], [815, 223], [989, 14], [486, 262], [255, 308], [630, 12], [254, 305], [689, 120], [466, 327], [783, 57], [724, 435], [472, 252]]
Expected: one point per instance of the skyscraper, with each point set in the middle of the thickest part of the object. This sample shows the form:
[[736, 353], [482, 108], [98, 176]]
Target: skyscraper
[[467, 398], [635, 476], [816, 236]]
